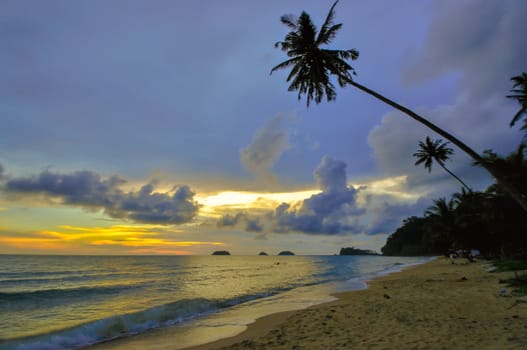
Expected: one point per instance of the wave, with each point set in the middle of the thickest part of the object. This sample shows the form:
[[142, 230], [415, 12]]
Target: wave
[[121, 326], [361, 282], [61, 294]]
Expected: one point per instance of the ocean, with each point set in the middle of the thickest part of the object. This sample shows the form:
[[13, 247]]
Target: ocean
[[72, 302]]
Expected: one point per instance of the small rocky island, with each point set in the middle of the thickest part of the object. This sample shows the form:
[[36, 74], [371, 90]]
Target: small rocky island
[[286, 252], [221, 252], [263, 253]]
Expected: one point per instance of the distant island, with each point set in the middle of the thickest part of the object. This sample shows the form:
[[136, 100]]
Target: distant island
[[263, 253], [286, 252], [356, 251], [221, 252]]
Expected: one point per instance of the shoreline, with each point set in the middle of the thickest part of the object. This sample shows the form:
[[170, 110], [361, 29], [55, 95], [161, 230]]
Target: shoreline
[[434, 305]]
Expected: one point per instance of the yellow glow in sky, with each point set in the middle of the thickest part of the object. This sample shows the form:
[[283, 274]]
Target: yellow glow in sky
[[81, 238], [215, 204], [87, 239]]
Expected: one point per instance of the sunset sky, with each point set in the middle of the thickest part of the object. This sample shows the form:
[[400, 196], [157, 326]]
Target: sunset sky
[[154, 127]]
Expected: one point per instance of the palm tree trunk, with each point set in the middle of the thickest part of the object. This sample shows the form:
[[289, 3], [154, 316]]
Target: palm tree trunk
[[455, 177], [496, 173]]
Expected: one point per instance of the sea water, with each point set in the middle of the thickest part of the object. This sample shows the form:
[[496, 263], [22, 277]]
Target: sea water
[[71, 302]]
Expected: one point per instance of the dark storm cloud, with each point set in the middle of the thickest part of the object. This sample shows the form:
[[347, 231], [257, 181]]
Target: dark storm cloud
[[89, 190]]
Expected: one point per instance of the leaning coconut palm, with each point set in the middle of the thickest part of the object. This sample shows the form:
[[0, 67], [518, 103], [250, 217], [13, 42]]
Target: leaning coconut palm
[[438, 151], [519, 93], [313, 66]]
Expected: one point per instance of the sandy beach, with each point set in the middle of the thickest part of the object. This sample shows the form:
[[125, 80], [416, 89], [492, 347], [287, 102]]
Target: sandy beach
[[437, 305]]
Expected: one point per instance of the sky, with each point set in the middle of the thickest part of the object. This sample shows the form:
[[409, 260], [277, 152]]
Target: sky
[[155, 127]]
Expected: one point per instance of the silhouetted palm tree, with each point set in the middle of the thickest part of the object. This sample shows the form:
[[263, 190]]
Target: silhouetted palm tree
[[520, 94], [443, 217], [442, 208], [437, 150], [312, 68], [514, 165]]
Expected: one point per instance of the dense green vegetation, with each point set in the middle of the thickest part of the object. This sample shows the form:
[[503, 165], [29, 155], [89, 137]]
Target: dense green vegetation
[[519, 282], [489, 221], [510, 265]]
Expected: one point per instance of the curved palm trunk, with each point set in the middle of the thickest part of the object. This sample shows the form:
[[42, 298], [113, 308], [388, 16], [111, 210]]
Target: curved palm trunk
[[497, 174], [455, 177]]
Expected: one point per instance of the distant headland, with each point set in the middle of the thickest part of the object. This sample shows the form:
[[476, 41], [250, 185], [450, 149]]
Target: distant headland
[[356, 251]]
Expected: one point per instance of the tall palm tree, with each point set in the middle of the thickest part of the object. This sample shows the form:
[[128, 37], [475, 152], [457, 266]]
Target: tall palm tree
[[438, 151], [442, 208], [443, 217], [514, 165], [313, 66], [519, 93]]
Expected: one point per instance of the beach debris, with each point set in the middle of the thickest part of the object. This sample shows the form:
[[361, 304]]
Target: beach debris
[[386, 296]]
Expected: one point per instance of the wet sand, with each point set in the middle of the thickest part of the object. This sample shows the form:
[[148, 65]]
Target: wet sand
[[437, 305]]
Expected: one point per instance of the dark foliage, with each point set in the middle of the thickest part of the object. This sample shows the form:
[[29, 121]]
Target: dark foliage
[[519, 93], [438, 151], [489, 221]]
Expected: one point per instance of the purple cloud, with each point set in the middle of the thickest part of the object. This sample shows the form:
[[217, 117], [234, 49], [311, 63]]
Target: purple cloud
[[89, 190]]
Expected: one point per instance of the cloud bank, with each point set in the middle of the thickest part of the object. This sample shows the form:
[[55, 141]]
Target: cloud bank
[[88, 190], [332, 211]]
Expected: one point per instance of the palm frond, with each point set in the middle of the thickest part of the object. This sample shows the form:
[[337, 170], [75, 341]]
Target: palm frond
[[286, 64], [313, 68], [290, 21], [325, 31], [296, 69], [519, 94], [325, 38], [517, 116]]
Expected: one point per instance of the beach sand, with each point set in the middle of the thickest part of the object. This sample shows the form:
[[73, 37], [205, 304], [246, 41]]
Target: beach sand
[[437, 305]]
